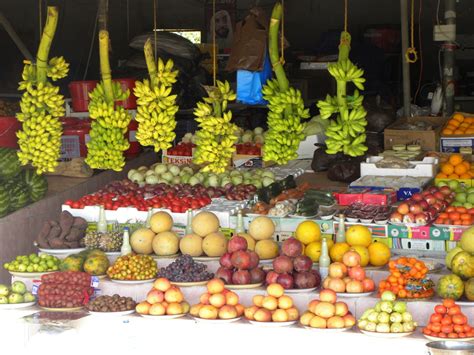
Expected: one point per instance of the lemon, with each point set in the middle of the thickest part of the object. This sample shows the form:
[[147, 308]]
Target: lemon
[[338, 250], [308, 232], [379, 254]]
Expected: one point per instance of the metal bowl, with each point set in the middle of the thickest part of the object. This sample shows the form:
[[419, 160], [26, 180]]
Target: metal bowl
[[450, 348]]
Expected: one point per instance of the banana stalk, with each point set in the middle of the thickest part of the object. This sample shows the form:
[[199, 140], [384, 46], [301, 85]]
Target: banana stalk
[[345, 133], [215, 140], [110, 123], [41, 104], [286, 106], [156, 106]]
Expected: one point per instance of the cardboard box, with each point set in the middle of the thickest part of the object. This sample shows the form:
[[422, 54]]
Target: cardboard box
[[425, 168], [452, 143], [176, 159], [428, 139]]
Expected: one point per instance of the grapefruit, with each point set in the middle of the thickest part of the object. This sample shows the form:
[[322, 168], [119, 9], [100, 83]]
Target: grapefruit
[[141, 241], [364, 254], [165, 243], [379, 254], [214, 244], [205, 223], [261, 228], [161, 222], [358, 235], [191, 244], [308, 232], [266, 249], [338, 250]]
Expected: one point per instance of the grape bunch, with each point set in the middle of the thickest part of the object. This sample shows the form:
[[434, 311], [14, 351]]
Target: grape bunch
[[185, 269], [133, 267]]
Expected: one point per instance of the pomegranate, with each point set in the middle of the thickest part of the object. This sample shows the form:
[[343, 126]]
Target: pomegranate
[[240, 260], [271, 277], [351, 258], [283, 264], [354, 287], [257, 275], [224, 274], [302, 263], [357, 273], [254, 259], [305, 279], [225, 261], [337, 269], [368, 285], [286, 281], [241, 277], [292, 247], [237, 243]]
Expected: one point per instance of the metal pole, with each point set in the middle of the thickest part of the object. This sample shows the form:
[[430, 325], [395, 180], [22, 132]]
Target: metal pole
[[19, 43], [448, 59], [405, 65]]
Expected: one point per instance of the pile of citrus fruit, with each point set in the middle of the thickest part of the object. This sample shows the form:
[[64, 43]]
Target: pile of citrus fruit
[[407, 279], [455, 215], [455, 167], [459, 125]]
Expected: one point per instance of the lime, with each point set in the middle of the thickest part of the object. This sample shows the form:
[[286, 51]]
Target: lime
[[22, 268], [41, 269], [30, 268]]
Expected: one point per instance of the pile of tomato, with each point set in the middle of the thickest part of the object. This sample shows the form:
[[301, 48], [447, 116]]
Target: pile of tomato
[[448, 321], [405, 274], [249, 148], [112, 201], [182, 150], [459, 216]]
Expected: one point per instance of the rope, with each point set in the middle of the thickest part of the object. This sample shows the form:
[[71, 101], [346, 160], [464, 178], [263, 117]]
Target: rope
[[282, 33], [154, 29], [345, 15], [411, 56], [214, 54], [40, 6], [421, 51]]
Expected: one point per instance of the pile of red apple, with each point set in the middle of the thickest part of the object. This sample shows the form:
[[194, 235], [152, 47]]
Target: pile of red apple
[[348, 276], [249, 149], [423, 207], [292, 269], [327, 313], [182, 149], [239, 266]]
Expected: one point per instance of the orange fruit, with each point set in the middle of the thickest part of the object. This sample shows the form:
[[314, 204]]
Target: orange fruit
[[447, 169], [465, 176], [469, 119], [454, 123], [441, 176], [466, 164], [459, 131], [453, 176], [468, 131], [460, 169], [455, 159], [464, 125], [458, 117], [447, 131]]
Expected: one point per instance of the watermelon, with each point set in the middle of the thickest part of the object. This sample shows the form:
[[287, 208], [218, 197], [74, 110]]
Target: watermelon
[[9, 164], [19, 196], [37, 184], [4, 201]]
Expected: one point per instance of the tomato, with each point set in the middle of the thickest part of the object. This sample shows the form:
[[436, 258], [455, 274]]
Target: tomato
[[452, 335], [68, 202], [442, 335], [436, 318], [459, 319], [454, 310], [458, 328], [440, 309], [436, 327], [448, 302], [427, 331], [467, 328], [446, 320], [446, 329], [195, 205]]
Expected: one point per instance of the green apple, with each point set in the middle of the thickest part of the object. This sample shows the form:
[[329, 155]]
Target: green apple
[[470, 197], [3, 299], [29, 297], [441, 183], [457, 204], [468, 205], [19, 287], [4, 291], [453, 184], [15, 298], [460, 197]]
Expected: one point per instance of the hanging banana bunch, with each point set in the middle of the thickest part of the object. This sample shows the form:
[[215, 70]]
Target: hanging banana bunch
[[346, 133], [156, 106], [41, 104], [110, 122], [215, 140], [286, 106]]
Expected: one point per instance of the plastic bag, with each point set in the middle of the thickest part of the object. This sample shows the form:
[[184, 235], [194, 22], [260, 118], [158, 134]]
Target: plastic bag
[[347, 170], [250, 84], [322, 161]]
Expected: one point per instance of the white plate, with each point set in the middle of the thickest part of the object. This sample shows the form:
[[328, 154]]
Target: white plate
[[465, 303], [386, 335], [16, 305], [366, 220], [329, 330], [165, 256], [273, 324], [243, 287], [217, 321], [302, 217], [253, 215], [206, 258], [266, 261], [429, 337], [381, 222], [353, 295], [112, 314], [165, 317], [113, 253], [61, 251], [352, 220], [132, 282], [70, 309], [189, 284], [29, 275], [300, 290], [327, 217], [371, 267]]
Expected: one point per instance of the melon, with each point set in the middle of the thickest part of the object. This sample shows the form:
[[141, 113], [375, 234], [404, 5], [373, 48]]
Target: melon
[[469, 289], [266, 249], [463, 265], [191, 244], [165, 243], [161, 222], [214, 244], [141, 241], [261, 228], [451, 254], [467, 240], [205, 223], [450, 286], [249, 239]]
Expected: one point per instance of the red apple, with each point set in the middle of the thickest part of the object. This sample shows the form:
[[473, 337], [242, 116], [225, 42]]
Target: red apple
[[415, 208], [424, 205], [421, 218], [409, 218], [438, 206], [368, 284], [396, 217], [432, 189], [431, 212], [439, 195], [445, 190], [403, 208], [430, 199], [417, 197]]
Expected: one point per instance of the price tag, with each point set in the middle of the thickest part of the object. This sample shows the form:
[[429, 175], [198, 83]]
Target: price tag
[[95, 281]]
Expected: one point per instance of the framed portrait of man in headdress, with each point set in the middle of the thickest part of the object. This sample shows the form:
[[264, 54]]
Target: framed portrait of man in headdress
[[224, 20]]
